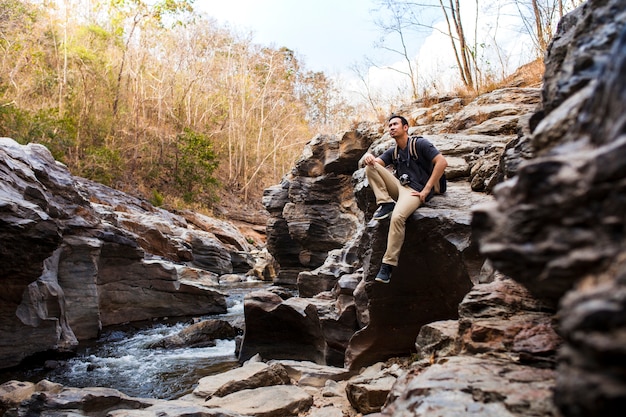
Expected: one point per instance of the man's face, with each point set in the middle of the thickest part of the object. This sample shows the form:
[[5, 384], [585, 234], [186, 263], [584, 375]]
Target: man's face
[[395, 127]]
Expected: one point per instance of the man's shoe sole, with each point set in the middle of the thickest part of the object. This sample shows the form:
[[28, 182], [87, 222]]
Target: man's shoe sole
[[382, 280], [383, 217]]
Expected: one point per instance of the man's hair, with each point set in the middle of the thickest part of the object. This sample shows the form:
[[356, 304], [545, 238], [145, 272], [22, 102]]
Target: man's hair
[[402, 119]]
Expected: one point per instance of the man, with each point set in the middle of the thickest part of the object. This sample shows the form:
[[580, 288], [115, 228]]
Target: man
[[417, 175]]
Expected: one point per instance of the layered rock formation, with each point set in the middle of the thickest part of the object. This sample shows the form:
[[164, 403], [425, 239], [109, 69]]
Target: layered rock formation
[[313, 210], [340, 316], [76, 256], [559, 226]]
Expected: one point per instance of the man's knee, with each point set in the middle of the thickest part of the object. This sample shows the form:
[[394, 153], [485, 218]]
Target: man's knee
[[398, 218]]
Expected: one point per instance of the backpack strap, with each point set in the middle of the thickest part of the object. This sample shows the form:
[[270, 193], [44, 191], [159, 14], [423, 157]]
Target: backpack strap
[[413, 147], [412, 144]]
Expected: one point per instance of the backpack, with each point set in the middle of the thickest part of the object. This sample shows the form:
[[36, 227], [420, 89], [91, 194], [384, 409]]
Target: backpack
[[412, 144]]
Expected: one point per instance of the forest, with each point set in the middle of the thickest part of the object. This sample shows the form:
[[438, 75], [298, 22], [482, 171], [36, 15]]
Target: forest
[[158, 100]]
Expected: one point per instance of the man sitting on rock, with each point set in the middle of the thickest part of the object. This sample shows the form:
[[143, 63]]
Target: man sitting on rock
[[419, 166]]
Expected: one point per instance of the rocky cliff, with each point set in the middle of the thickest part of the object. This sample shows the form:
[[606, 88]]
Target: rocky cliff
[[559, 226], [76, 256], [332, 249]]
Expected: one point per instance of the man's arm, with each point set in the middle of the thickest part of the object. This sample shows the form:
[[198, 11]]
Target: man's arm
[[439, 166]]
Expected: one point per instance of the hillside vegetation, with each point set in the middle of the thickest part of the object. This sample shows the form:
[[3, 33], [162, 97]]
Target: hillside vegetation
[[155, 99]]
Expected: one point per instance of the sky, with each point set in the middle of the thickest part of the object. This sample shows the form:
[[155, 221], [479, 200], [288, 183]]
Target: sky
[[328, 35], [334, 36]]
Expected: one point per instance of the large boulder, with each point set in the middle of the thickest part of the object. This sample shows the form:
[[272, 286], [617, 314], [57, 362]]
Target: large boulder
[[272, 401], [437, 267], [278, 328]]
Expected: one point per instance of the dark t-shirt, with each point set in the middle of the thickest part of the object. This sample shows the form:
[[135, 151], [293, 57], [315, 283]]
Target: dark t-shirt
[[418, 170]]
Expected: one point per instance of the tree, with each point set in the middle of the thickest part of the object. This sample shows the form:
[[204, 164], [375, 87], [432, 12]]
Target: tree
[[463, 54], [540, 18], [139, 13], [326, 108], [399, 19], [194, 164], [404, 17]]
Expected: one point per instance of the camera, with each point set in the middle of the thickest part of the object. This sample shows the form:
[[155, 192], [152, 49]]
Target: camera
[[404, 179]]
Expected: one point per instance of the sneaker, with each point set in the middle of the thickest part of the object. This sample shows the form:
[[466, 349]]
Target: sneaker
[[384, 275], [384, 211]]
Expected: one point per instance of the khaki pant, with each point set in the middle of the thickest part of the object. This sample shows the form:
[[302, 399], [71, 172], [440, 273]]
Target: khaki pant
[[387, 188]]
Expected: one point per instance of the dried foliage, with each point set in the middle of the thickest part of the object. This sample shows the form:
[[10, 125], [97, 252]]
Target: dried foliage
[[154, 99]]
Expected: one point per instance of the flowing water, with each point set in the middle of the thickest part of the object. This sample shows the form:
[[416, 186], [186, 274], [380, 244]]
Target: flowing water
[[119, 358]]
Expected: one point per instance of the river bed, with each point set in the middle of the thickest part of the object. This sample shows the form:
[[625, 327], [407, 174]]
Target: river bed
[[119, 358]]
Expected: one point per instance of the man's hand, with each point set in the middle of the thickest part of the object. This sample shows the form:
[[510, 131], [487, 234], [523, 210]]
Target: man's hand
[[369, 159], [421, 194]]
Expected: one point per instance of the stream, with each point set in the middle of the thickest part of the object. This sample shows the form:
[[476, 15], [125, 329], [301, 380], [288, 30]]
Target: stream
[[119, 358]]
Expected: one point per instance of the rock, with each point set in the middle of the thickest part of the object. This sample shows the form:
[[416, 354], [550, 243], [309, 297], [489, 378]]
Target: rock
[[14, 392], [307, 220], [281, 329], [591, 366], [37, 202], [496, 112], [326, 412], [48, 386], [249, 376], [80, 402], [274, 374], [199, 334], [473, 386], [557, 227], [174, 409], [332, 389], [437, 339], [162, 295], [503, 317], [265, 267], [208, 385], [368, 395], [313, 374], [437, 267], [274, 401]]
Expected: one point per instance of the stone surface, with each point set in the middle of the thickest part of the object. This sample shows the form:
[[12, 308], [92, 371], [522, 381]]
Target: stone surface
[[80, 402], [313, 209], [174, 409], [368, 391], [312, 374], [473, 386], [14, 392], [278, 328], [558, 226], [437, 339], [274, 401], [207, 386], [503, 317]]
